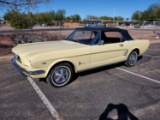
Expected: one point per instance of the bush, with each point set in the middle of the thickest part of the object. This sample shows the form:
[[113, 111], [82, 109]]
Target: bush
[[137, 26], [122, 25], [22, 38], [17, 20]]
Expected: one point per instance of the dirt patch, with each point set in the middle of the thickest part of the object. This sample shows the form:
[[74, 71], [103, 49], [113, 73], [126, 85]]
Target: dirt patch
[[6, 27], [140, 34], [5, 45]]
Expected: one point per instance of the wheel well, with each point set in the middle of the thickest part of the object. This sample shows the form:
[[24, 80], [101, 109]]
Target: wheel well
[[60, 63], [137, 50]]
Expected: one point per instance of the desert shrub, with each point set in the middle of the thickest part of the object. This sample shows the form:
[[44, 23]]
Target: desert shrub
[[137, 26], [17, 20], [22, 38], [122, 25]]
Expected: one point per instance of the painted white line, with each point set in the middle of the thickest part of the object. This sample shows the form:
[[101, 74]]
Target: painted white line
[[46, 102], [151, 56], [150, 79]]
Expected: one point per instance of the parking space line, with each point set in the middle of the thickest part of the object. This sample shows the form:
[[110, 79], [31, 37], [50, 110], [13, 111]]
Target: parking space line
[[151, 56], [46, 102], [150, 79]]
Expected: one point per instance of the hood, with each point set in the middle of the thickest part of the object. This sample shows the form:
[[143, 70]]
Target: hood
[[44, 47]]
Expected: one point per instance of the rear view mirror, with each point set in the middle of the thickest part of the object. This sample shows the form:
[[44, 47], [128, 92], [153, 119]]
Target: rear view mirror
[[101, 42]]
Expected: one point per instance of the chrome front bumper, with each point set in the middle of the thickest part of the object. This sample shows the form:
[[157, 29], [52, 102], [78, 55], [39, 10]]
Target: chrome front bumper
[[25, 71]]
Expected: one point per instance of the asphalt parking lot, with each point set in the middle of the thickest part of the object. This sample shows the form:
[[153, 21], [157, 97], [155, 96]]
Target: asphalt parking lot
[[113, 91]]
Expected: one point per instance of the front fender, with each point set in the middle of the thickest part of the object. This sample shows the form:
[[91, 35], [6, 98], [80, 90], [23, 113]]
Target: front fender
[[55, 62]]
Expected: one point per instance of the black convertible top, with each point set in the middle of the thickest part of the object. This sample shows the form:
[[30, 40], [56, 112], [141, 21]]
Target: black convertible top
[[101, 28], [107, 29]]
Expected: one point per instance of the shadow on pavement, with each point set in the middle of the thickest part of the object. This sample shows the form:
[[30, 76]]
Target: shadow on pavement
[[94, 70], [102, 68], [122, 110]]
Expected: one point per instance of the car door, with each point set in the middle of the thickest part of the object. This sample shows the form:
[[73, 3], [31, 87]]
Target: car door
[[108, 53]]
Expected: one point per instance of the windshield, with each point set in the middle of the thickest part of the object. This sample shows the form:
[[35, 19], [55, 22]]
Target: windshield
[[86, 37]]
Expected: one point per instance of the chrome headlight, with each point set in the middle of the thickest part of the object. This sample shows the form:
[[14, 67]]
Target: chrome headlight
[[16, 57]]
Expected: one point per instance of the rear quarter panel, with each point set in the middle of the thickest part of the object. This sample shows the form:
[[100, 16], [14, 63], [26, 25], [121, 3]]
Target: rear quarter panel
[[141, 45]]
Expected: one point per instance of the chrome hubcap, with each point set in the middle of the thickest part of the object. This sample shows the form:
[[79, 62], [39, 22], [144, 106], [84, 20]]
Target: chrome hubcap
[[133, 58], [61, 75]]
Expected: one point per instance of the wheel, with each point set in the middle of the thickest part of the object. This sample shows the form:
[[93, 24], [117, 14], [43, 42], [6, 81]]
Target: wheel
[[60, 75], [132, 59]]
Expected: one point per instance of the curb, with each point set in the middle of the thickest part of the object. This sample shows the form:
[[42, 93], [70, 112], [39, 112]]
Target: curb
[[6, 57], [154, 41]]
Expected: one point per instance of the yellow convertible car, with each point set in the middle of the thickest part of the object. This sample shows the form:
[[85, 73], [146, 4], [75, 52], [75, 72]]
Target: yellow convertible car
[[83, 49]]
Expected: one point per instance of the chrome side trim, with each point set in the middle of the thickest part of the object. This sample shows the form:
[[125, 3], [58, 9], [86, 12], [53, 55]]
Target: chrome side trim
[[25, 71], [101, 66]]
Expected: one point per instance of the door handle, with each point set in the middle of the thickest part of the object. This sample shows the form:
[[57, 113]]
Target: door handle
[[121, 45]]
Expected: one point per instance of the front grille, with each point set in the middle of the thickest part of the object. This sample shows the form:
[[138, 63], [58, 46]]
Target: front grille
[[17, 58]]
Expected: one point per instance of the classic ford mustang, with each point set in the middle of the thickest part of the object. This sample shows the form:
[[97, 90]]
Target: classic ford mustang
[[83, 49]]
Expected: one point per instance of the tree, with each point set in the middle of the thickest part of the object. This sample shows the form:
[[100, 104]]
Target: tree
[[68, 19], [16, 5], [118, 18], [145, 15], [91, 17], [105, 18], [43, 17], [38, 19], [152, 9], [31, 18], [137, 15], [60, 15], [75, 18], [17, 20], [158, 13], [21, 3], [52, 15], [151, 14]]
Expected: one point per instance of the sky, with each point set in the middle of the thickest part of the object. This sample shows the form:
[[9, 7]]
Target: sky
[[124, 8]]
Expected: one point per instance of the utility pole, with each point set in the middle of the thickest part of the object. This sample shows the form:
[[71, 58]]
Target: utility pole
[[114, 14]]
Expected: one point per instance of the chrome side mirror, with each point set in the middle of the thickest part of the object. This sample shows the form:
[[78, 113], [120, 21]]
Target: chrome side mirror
[[101, 42]]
